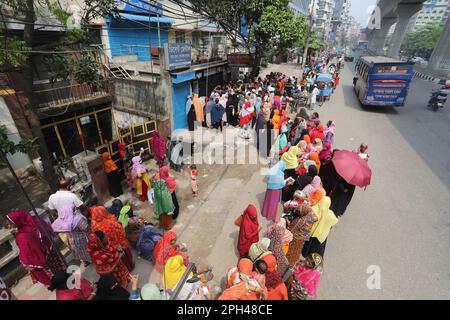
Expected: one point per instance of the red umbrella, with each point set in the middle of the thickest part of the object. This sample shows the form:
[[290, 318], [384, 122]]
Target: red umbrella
[[352, 168]]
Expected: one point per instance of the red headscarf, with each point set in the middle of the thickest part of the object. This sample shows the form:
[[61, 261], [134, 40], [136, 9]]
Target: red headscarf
[[158, 145], [248, 233], [34, 245], [122, 150], [170, 182], [273, 279], [103, 221], [165, 250]]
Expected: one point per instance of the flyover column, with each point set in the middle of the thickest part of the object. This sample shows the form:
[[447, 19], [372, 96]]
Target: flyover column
[[439, 64], [405, 12], [378, 36]]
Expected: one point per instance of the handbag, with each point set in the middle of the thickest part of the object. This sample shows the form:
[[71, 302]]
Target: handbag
[[238, 221]]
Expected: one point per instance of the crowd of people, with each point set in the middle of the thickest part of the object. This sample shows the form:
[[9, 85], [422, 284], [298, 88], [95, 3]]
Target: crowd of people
[[284, 264]]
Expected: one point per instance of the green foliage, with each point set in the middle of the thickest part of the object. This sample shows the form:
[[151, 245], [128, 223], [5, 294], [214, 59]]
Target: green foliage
[[423, 39], [278, 28], [9, 147], [84, 69], [13, 51]]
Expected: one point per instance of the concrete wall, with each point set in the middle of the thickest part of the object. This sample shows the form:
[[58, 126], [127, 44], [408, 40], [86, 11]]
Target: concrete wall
[[139, 97], [18, 160]]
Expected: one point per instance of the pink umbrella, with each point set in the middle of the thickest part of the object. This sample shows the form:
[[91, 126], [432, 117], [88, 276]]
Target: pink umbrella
[[352, 168]]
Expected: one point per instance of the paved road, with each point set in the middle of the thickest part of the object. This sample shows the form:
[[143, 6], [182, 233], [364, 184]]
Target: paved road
[[401, 223]]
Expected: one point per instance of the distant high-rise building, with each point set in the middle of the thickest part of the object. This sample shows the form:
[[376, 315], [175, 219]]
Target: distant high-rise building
[[323, 13], [432, 11], [300, 7]]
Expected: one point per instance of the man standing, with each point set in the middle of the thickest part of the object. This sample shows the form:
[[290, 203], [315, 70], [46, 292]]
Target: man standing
[[314, 95]]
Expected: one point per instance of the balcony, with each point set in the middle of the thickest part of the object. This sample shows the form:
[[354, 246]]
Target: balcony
[[65, 95]]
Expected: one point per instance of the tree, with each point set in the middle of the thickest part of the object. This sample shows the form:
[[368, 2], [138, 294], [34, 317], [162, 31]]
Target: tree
[[422, 41], [9, 147], [271, 23], [26, 12]]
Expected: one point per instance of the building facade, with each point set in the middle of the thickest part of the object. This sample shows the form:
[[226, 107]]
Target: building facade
[[300, 7], [323, 14], [432, 11]]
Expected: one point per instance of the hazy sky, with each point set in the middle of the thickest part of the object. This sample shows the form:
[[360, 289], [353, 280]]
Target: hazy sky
[[359, 10]]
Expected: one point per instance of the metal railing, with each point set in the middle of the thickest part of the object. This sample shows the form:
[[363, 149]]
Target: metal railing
[[64, 95]]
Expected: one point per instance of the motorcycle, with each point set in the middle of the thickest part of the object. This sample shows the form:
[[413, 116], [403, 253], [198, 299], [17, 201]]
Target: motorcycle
[[435, 104]]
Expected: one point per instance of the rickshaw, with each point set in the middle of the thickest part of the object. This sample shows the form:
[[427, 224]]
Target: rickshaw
[[325, 91]]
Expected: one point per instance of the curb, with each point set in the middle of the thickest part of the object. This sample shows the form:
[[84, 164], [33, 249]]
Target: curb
[[429, 78]]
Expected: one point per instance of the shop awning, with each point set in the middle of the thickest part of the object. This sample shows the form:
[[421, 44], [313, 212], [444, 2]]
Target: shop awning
[[137, 17]]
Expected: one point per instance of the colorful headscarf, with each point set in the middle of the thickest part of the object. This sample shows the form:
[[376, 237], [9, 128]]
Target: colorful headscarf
[[248, 231], [276, 246], [68, 219], [34, 245], [108, 165], [291, 158], [173, 271], [138, 167], [170, 181], [102, 220], [259, 249]]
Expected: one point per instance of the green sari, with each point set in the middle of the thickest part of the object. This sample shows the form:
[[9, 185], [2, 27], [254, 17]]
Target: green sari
[[163, 200]]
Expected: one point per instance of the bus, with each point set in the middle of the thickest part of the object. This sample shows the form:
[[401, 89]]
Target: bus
[[382, 81]]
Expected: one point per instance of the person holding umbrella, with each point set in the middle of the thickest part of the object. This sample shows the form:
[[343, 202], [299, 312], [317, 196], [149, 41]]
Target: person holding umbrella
[[341, 175]]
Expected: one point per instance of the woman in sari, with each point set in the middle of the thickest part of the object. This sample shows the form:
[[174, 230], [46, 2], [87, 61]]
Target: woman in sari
[[140, 174], [102, 220], [248, 230], [166, 248], [171, 186], [85, 291], [325, 154], [36, 251], [301, 228], [291, 158], [259, 249], [75, 227], [287, 235], [276, 247], [276, 289], [159, 148], [275, 185], [321, 228], [306, 278], [329, 133], [107, 258], [163, 206], [241, 286], [112, 173]]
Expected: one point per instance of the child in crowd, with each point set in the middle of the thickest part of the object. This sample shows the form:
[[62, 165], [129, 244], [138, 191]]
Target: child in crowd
[[194, 176]]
